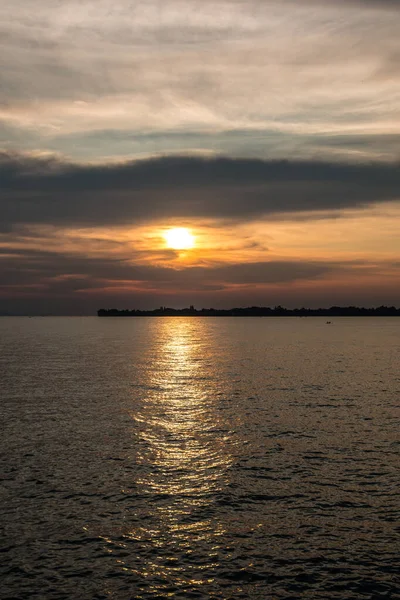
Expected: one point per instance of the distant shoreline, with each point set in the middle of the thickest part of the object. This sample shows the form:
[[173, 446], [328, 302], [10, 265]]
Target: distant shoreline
[[255, 311]]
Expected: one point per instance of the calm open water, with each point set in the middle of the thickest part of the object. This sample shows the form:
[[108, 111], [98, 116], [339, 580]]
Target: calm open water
[[215, 458]]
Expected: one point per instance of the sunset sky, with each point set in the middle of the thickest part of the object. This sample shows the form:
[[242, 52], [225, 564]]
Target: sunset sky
[[270, 129]]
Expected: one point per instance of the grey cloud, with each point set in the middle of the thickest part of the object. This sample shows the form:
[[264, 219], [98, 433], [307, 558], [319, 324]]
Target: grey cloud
[[244, 143], [36, 282], [106, 49], [366, 4], [390, 142], [46, 190], [270, 272], [24, 267], [374, 3], [123, 79]]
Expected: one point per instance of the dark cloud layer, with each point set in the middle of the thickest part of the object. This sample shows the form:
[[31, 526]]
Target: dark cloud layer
[[26, 267], [45, 190], [40, 282]]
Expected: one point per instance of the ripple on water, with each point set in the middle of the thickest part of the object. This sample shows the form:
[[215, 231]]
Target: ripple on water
[[190, 458]]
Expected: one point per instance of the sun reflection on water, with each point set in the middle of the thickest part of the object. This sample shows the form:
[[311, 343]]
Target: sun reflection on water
[[184, 454], [179, 423]]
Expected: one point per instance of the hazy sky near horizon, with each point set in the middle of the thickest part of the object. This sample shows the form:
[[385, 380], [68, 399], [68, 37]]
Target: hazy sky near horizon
[[268, 128]]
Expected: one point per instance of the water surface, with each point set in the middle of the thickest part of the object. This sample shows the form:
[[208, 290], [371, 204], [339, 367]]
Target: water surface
[[200, 458]]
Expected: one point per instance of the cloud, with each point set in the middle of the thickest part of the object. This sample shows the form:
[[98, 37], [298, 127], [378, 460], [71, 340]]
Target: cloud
[[73, 72], [48, 190], [378, 142], [54, 272], [37, 282], [251, 112], [378, 4]]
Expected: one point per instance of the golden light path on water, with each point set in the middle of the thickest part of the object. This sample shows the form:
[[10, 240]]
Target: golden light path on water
[[184, 453]]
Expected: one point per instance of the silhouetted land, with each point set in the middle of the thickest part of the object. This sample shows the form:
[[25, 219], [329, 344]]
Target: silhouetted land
[[255, 311]]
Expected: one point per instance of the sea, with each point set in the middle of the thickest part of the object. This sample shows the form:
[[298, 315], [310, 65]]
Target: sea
[[205, 458]]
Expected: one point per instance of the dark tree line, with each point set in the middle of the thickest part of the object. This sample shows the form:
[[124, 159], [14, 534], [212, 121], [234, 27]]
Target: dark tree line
[[255, 311]]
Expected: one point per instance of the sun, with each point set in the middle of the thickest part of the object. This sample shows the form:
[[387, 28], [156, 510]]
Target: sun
[[179, 238]]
